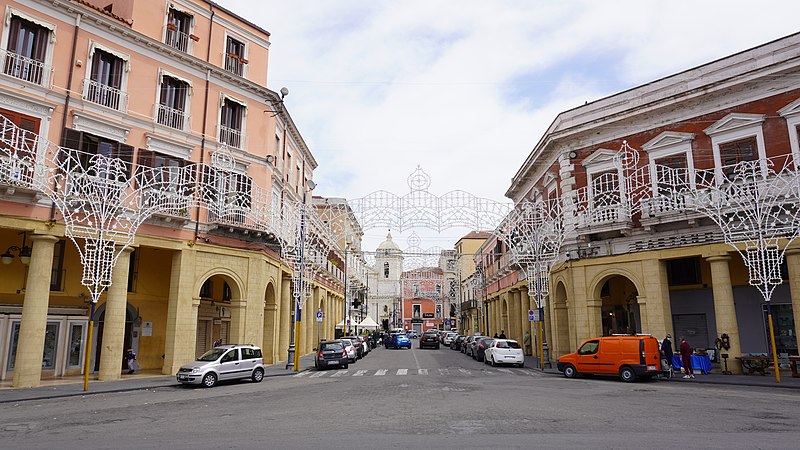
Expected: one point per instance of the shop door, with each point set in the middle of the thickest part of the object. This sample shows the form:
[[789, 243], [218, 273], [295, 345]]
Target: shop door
[[201, 343], [783, 325]]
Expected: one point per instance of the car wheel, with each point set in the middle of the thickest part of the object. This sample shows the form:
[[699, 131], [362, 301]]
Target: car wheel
[[569, 371], [627, 374], [209, 380], [492, 362], [258, 375]]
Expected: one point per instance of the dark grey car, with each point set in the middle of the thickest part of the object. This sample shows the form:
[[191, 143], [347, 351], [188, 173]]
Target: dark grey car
[[331, 354]]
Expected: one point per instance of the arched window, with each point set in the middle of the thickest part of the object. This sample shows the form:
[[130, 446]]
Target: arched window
[[386, 270]]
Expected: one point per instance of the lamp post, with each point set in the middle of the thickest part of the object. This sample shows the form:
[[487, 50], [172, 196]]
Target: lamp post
[[293, 356]]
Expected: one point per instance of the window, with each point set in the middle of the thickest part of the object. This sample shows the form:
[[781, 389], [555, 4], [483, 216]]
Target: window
[[438, 311], [207, 290], [229, 194], [732, 153], [75, 345], [386, 270], [231, 121], [605, 189], [87, 145], [22, 144], [416, 311], [232, 355], [226, 292], [178, 30], [133, 270], [172, 102], [235, 56], [684, 271], [26, 51], [589, 348], [57, 271], [104, 85]]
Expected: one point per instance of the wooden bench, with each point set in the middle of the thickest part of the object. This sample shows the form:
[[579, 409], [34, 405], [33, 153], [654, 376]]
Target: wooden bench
[[793, 364], [753, 364]]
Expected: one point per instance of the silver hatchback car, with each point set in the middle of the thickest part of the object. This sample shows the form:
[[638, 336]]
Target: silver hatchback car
[[224, 362]]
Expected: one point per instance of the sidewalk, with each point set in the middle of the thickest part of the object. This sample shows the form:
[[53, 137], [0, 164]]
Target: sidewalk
[[787, 382], [147, 379]]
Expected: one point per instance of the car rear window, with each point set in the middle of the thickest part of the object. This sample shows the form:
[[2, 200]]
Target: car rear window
[[332, 346], [513, 344]]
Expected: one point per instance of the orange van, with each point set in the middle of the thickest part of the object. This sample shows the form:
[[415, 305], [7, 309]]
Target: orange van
[[630, 357]]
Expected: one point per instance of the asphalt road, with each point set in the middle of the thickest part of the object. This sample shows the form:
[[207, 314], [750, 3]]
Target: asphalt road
[[414, 399]]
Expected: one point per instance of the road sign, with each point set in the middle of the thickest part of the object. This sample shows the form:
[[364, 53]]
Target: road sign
[[319, 316], [533, 315], [447, 322]]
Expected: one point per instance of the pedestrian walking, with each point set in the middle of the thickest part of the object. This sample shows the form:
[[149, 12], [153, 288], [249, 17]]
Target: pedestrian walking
[[686, 357], [131, 358], [502, 334], [666, 353]]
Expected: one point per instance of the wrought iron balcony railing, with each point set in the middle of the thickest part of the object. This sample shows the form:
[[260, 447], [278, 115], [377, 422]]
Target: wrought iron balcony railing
[[27, 69], [105, 95]]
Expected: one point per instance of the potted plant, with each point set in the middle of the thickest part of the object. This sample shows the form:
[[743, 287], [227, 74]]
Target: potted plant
[[172, 27]]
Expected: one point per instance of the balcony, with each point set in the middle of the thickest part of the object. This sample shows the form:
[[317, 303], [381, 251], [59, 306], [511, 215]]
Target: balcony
[[26, 69], [177, 39], [171, 117], [230, 136], [104, 95], [234, 64]]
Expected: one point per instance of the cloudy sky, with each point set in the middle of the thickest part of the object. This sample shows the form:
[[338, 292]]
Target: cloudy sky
[[465, 88]]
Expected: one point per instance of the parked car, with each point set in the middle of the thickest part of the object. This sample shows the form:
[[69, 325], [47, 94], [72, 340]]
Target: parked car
[[350, 348], [398, 340], [224, 362], [447, 337], [480, 347], [466, 346], [457, 342], [329, 354], [429, 339], [357, 344], [628, 357], [504, 351], [412, 334]]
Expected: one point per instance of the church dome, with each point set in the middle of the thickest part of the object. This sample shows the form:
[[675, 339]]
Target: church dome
[[389, 245]]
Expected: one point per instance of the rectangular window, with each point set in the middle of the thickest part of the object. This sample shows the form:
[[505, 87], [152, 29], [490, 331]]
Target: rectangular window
[[207, 290], [133, 270], [75, 345], [234, 56], [50, 346], [87, 145], [178, 26], [732, 153], [104, 86], [416, 311], [671, 172], [229, 193], [230, 127], [684, 271], [57, 273], [26, 51], [172, 103], [19, 145], [605, 189]]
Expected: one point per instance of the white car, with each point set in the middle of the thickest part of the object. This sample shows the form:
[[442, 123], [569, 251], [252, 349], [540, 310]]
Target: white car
[[504, 351], [448, 338], [351, 350]]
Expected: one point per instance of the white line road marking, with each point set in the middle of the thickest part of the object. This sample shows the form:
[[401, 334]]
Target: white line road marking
[[359, 373], [301, 374], [506, 371], [317, 375], [339, 373], [444, 372], [380, 372], [413, 353], [465, 371], [402, 371], [422, 371]]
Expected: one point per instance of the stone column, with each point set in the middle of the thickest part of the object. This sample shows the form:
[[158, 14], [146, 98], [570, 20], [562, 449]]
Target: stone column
[[114, 321], [524, 323], [182, 308], [724, 307], [30, 345], [285, 319], [278, 325], [793, 263]]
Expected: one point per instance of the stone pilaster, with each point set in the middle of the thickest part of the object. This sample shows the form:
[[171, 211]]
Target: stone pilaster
[[658, 306], [30, 345], [182, 308], [724, 307], [793, 264], [285, 318], [114, 320]]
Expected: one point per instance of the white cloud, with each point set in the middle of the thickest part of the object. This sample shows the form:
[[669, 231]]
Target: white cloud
[[465, 88]]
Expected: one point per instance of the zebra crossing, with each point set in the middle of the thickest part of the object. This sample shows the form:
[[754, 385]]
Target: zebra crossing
[[449, 372]]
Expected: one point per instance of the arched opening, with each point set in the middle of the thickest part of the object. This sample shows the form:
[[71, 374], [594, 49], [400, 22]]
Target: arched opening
[[504, 328], [215, 313], [561, 328], [132, 325], [620, 309], [271, 325]]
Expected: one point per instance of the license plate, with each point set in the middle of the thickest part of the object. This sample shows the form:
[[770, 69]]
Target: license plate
[[651, 367], [510, 357], [183, 378], [330, 363]]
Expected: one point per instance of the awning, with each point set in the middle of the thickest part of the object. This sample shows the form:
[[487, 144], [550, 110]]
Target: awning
[[368, 323]]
